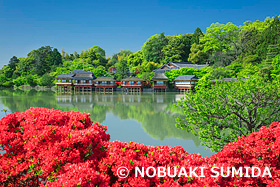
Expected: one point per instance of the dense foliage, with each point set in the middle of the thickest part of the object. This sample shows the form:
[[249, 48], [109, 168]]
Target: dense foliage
[[53, 148], [221, 113], [232, 51]]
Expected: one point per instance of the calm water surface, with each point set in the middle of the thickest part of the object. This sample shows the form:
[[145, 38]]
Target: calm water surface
[[147, 118]]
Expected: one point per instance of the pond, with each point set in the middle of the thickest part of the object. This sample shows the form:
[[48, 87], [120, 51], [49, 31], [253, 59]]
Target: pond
[[147, 118]]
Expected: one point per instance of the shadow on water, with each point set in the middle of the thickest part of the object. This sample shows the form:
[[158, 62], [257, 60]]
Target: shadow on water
[[145, 118]]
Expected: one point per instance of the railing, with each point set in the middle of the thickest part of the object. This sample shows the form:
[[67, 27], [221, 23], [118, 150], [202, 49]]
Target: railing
[[83, 83], [131, 85], [184, 84], [63, 83], [159, 85], [105, 84]]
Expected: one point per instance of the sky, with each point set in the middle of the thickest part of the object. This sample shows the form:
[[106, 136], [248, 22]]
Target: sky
[[113, 25]]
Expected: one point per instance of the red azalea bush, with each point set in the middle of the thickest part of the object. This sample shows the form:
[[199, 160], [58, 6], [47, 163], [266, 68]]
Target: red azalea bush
[[54, 148], [40, 144]]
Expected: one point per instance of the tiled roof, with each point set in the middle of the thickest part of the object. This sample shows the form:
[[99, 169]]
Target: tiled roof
[[65, 76], [159, 76], [179, 65], [132, 79], [185, 77], [79, 76], [105, 79], [80, 71]]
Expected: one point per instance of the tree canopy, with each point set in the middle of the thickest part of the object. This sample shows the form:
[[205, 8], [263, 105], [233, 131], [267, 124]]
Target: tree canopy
[[220, 114]]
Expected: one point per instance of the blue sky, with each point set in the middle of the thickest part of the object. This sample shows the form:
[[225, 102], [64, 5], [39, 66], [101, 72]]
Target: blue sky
[[113, 25]]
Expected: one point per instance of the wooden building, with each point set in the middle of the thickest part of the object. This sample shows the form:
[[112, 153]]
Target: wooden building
[[64, 82], [159, 81], [105, 84], [78, 80], [83, 81], [178, 65], [185, 82], [132, 84]]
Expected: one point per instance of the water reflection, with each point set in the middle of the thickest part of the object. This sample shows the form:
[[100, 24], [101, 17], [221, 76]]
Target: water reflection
[[145, 118]]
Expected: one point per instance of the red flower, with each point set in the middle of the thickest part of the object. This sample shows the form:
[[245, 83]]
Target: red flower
[[54, 148]]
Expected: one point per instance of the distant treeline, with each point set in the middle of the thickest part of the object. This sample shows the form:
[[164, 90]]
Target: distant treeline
[[232, 51]]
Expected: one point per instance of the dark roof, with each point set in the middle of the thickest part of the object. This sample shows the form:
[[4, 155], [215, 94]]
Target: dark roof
[[88, 76], [179, 65], [185, 77], [159, 76], [77, 74], [132, 79], [65, 76], [80, 71], [105, 79]]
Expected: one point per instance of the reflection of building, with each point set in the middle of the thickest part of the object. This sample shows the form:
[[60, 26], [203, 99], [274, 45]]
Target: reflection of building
[[83, 102], [64, 100], [133, 84], [79, 101], [79, 79], [104, 99], [131, 98], [105, 84], [185, 82], [159, 81]]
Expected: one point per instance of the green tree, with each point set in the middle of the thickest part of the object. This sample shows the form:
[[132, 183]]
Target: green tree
[[13, 63], [135, 59], [197, 55], [3, 79], [221, 38], [31, 80], [44, 58], [19, 81], [196, 35], [221, 113], [122, 69], [47, 80], [270, 36], [177, 48], [96, 56], [153, 48], [272, 51], [98, 72], [117, 57], [275, 73]]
